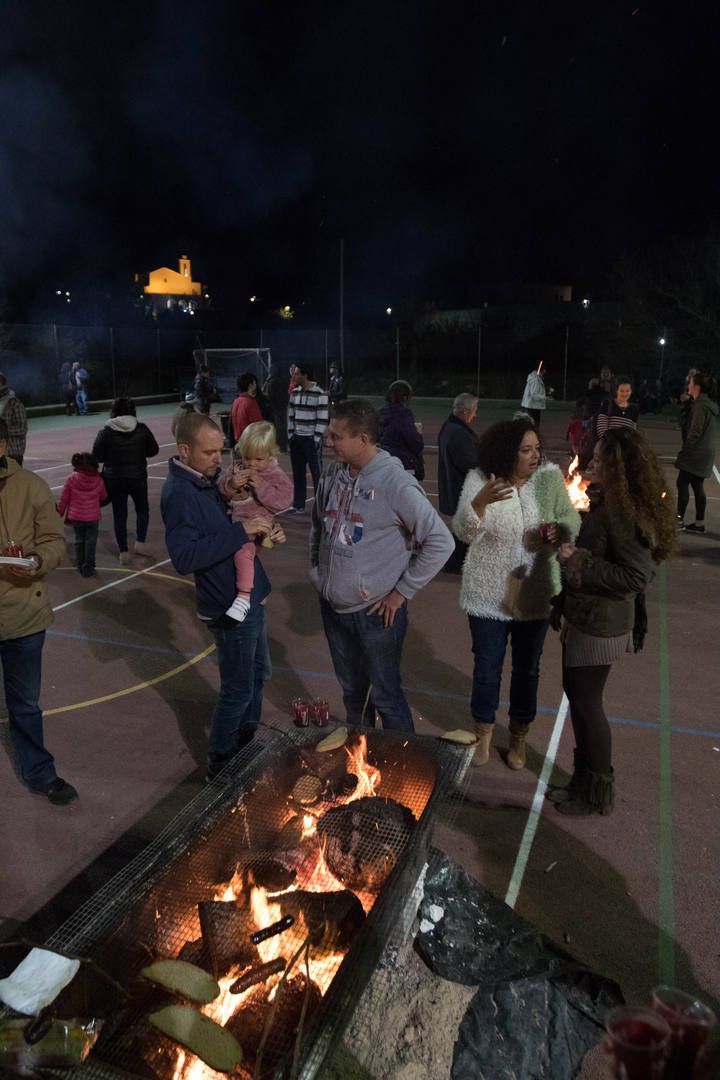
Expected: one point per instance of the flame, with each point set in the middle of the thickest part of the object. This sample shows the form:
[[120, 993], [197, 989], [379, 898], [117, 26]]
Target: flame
[[368, 776], [576, 486], [309, 826], [264, 914]]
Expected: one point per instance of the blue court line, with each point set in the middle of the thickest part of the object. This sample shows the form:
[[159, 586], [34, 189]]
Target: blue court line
[[330, 677]]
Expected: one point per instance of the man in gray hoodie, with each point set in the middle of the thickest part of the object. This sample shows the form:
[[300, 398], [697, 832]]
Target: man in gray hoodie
[[375, 540]]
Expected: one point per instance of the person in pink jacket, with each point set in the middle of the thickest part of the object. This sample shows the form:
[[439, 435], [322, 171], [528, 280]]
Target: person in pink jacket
[[80, 505], [256, 487], [245, 409]]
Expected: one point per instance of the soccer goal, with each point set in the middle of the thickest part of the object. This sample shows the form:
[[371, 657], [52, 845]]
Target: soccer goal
[[226, 364]]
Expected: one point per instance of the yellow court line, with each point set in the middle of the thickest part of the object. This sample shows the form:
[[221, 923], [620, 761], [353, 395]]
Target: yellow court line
[[148, 682], [131, 689]]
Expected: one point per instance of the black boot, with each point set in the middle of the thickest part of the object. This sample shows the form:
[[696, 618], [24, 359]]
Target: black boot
[[595, 795], [558, 793]]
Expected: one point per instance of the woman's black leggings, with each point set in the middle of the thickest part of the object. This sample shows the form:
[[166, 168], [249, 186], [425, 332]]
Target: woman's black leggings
[[584, 688], [685, 481]]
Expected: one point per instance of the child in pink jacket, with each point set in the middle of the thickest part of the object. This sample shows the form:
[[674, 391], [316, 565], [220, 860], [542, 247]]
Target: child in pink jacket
[[255, 486], [79, 504]]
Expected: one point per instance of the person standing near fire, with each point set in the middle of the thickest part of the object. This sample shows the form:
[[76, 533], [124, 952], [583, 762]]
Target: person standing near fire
[[201, 540], [534, 398], [29, 526], [375, 539], [457, 454]]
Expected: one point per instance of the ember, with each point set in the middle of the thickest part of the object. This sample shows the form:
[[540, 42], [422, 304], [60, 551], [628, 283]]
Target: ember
[[577, 486]]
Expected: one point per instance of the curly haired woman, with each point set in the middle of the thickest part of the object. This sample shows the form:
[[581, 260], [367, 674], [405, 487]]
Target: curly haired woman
[[628, 530], [510, 575]]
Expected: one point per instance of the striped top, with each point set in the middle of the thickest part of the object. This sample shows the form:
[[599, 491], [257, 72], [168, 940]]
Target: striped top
[[616, 417], [308, 412]]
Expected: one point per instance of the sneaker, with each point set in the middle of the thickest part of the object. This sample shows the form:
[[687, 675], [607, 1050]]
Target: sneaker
[[58, 791], [698, 527], [238, 609], [124, 558], [296, 510], [141, 548]]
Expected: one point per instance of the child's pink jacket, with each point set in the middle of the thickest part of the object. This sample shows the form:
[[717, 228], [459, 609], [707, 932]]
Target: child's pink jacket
[[80, 497], [272, 493]]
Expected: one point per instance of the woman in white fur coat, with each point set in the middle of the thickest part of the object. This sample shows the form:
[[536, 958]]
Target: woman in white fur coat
[[513, 513]]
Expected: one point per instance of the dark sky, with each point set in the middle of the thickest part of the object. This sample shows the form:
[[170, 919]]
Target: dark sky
[[450, 144]]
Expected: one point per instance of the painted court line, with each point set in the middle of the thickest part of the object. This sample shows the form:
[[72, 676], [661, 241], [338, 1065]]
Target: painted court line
[[110, 585], [717, 474], [666, 896], [533, 820]]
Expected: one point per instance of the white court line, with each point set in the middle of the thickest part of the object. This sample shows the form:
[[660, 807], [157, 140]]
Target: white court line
[[111, 585], [717, 474], [521, 859]]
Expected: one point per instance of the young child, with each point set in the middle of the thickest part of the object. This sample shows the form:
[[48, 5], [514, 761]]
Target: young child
[[255, 486], [79, 503], [576, 429]]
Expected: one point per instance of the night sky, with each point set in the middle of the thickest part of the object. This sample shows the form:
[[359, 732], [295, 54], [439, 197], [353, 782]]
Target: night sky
[[453, 146]]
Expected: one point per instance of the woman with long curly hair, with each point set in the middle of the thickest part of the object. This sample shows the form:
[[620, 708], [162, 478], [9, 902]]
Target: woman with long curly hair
[[627, 531], [513, 512]]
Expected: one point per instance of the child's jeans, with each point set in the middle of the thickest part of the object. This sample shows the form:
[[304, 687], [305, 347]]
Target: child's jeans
[[244, 559], [86, 534]]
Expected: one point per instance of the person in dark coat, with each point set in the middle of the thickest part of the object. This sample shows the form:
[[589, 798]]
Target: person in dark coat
[[123, 446], [275, 391], [337, 390], [457, 454], [203, 390], [66, 388], [399, 434], [697, 456]]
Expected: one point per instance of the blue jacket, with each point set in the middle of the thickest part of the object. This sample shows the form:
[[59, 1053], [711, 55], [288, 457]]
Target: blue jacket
[[201, 540]]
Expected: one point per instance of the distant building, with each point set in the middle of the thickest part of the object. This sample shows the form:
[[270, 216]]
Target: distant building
[[168, 289]]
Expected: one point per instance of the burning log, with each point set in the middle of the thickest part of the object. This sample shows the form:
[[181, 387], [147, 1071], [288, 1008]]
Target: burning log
[[332, 918], [363, 840], [226, 929], [255, 975]]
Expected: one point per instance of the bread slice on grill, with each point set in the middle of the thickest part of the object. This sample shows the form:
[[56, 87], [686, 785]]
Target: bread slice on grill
[[183, 978], [213, 1044]]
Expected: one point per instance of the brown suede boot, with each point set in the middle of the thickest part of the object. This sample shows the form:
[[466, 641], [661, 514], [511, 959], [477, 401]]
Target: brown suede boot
[[484, 734], [558, 793], [516, 749]]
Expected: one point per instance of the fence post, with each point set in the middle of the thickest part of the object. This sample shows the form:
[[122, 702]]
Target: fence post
[[57, 345], [327, 368], [565, 362], [112, 362], [159, 364], [479, 355]]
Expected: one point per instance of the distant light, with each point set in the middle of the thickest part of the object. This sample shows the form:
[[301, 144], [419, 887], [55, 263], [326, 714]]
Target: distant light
[[661, 341], [286, 308], [58, 292], [67, 299], [388, 311], [586, 303], [253, 299], [67, 293]]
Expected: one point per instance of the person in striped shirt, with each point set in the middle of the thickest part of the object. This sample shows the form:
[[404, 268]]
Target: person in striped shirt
[[620, 412], [306, 423]]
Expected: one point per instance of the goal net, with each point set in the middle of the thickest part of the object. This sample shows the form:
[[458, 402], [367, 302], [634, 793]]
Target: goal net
[[226, 364]]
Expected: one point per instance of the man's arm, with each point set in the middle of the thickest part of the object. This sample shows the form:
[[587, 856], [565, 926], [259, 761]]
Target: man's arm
[[48, 528], [429, 532], [17, 422], [191, 550], [463, 452], [322, 415]]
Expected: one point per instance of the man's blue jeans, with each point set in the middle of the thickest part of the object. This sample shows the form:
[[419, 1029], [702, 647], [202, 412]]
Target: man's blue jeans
[[22, 672], [489, 641], [304, 454], [81, 400], [244, 663], [367, 654]]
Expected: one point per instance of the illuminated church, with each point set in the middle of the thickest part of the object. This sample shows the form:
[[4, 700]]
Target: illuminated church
[[169, 289]]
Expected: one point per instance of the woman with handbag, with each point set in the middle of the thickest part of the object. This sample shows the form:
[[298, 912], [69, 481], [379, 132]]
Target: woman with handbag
[[627, 531], [513, 511]]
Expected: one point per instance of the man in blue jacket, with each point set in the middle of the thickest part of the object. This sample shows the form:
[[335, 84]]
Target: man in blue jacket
[[201, 540]]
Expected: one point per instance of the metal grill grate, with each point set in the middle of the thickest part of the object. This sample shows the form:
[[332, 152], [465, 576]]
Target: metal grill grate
[[233, 836]]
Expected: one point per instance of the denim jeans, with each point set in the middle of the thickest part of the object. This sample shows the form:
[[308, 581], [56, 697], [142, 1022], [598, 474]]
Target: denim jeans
[[489, 641], [304, 454], [22, 671], [81, 400], [120, 491], [244, 663], [86, 534], [366, 654]]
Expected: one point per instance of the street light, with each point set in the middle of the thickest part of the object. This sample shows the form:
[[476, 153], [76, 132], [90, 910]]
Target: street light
[[388, 311], [662, 343], [586, 303]]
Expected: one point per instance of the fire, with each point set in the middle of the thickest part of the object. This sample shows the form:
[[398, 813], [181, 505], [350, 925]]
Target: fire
[[265, 914], [368, 776], [576, 486]]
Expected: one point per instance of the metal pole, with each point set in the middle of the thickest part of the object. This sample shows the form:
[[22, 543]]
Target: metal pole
[[112, 361], [159, 364], [479, 355], [342, 305], [565, 363], [57, 346], [327, 368], [397, 352]]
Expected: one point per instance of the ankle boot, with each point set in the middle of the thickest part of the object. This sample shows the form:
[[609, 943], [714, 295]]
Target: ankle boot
[[516, 748], [484, 734], [595, 795], [558, 793]]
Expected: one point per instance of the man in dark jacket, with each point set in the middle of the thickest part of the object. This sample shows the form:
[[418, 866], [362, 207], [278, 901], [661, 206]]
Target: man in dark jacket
[[201, 540], [457, 454]]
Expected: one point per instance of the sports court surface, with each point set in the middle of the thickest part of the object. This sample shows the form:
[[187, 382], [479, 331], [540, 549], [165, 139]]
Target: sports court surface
[[130, 680]]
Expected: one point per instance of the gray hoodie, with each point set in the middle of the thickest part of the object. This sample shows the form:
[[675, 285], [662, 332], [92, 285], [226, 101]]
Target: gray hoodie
[[372, 533]]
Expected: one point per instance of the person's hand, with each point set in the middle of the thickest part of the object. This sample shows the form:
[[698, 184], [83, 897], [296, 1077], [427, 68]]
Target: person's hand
[[494, 491], [241, 478], [25, 573], [565, 552], [555, 618], [388, 607], [257, 527], [550, 532], [277, 535]]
